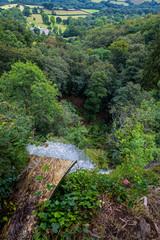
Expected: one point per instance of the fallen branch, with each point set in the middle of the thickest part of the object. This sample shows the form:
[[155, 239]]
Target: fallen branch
[[121, 228], [93, 235], [145, 201]]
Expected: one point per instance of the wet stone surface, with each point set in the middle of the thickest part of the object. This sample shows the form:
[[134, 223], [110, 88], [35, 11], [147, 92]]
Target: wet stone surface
[[25, 198]]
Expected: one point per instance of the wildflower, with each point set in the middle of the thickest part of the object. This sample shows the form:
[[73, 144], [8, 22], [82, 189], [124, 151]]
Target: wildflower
[[126, 181]]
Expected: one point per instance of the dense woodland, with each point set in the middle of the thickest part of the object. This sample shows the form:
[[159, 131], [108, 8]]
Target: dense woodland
[[97, 86]]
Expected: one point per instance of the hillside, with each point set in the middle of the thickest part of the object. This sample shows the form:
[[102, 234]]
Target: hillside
[[97, 86]]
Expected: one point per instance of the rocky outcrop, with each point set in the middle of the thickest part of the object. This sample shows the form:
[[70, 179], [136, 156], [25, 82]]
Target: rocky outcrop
[[36, 185]]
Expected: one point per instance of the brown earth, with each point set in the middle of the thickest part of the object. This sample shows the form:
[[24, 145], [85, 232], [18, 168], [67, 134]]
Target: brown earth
[[117, 222]]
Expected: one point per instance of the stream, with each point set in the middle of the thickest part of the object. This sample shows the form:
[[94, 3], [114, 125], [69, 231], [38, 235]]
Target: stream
[[59, 158], [66, 152]]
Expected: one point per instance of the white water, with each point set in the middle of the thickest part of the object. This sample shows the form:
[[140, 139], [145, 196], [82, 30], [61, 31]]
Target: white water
[[63, 151]]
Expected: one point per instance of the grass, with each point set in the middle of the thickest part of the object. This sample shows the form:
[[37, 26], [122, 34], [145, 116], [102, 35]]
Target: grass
[[62, 12], [90, 10], [119, 3], [32, 6], [38, 22], [75, 16], [46, 11], [21, 6], [11, 6], [63, 27], [97, 1], [134, 1]]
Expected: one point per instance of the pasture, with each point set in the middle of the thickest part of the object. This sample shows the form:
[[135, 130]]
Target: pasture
[[75, 16], [90, 10], [71, 13], [11, 6], [32, 6], [21, 6], [46, 11], [141, 1], [119, 3], [126, 4], [36, 19], [38, 22]]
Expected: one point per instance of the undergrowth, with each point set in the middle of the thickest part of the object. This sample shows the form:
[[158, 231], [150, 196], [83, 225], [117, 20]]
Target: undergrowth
[[68, 214]]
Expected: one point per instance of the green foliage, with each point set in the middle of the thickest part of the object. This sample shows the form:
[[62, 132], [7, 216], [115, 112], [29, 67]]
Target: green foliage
[[135, 143], [96, 92], [119, 51], [55, 30], [45, 18], [103, 76], [76, 202], [128, 98], [39, 178], [67, 120], [101, 52], [136, 146], [149, 114], [53, 21], [79, 136], [27, 86], [58, 19], [73, 205], [98, 156], [47, 167], [10, 39], [151, 71], [14, 14], [15, 130], [14, 33], [97, 134], [26, 11], [6, 183], [130, 182]]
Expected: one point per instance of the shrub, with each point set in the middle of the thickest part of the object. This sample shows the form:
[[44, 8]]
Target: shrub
[[15, 129]]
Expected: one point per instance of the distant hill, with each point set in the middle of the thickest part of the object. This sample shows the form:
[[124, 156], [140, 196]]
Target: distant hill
[[141, 1]]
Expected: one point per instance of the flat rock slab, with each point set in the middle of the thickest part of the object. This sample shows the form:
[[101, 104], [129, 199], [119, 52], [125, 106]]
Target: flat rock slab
[[36, 185]]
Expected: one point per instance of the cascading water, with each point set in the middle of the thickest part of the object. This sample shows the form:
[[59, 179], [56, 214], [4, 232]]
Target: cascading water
[[58, 158], [64, 151]]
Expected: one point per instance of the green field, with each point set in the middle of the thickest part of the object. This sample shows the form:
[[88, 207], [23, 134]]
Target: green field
[[46, 11], [120, 3], [70, 13], [90, 10], [11, 6], [32, 6], [38, 22], [59, 13], [74, 16], [126, 4]]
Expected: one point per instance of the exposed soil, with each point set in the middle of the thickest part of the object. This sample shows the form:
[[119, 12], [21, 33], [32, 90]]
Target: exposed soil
[[117, 222], [79, 104], [76, 101]]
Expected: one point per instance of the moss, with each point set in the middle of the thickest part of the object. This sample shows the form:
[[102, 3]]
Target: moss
[[98, 156]]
